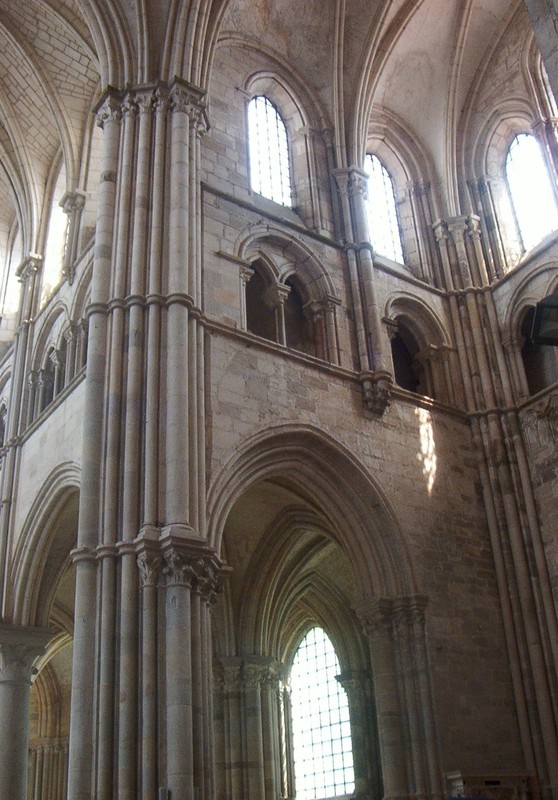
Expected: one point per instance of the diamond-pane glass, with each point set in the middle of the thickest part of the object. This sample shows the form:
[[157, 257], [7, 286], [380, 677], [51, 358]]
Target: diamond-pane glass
[[382, 211], [269, 151], [322, 748], [531, 192]]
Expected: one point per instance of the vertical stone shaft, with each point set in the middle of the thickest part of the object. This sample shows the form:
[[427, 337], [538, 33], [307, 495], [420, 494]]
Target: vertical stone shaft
[[149, 567], [177, 355], [178, 667], [107, 644], [81, 757]]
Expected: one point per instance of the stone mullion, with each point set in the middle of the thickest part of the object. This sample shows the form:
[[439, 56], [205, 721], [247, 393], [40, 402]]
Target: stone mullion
[[330, 329], [81, 756], [19, 647], [149, 564]]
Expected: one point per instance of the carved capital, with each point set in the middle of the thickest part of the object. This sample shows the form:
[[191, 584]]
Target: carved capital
[[185, 98], [196, 569], [109, 109], [29, 267], [19, 647], [149, 565]]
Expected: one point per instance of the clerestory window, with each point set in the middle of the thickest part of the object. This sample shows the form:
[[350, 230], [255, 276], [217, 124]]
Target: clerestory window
[[383, 221], [322, 747], [270, 173], [531, 193]]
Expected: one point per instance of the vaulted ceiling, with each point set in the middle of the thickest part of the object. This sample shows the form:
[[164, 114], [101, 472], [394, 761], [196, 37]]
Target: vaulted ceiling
[[420, 61]]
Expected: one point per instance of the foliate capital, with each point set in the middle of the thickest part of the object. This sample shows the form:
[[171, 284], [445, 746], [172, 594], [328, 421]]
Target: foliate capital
[[188, 99], [110, 107], [19, 647]]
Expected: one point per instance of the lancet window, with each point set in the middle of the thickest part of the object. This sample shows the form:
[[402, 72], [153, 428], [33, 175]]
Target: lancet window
[[531, 193], [322, 747], [270, 173], [383, 221]]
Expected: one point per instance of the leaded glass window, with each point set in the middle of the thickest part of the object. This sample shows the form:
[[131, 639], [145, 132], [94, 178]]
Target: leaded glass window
[[322, 748], [269, 151], [382, 211]]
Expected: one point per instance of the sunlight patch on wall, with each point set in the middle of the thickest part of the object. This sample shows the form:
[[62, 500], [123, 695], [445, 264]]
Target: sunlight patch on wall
[[427, 452]]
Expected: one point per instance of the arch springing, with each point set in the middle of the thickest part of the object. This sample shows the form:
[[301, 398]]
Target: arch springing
[[383, 221], [531, 193], [270, 173], [322, 748]]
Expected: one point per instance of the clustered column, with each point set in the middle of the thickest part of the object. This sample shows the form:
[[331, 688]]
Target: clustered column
[[252, 706], [527, 603], [404, 699], [144, 576], [375, 377]]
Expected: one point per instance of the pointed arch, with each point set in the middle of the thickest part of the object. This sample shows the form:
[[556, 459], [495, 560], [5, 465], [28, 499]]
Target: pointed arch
[[47, 537], [353, 507]]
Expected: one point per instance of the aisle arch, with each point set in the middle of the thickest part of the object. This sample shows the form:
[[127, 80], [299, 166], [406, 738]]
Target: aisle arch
[[312, 463]]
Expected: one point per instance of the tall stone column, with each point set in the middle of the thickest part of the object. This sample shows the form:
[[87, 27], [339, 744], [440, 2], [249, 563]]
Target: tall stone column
[[19, 647], [144, 576]]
